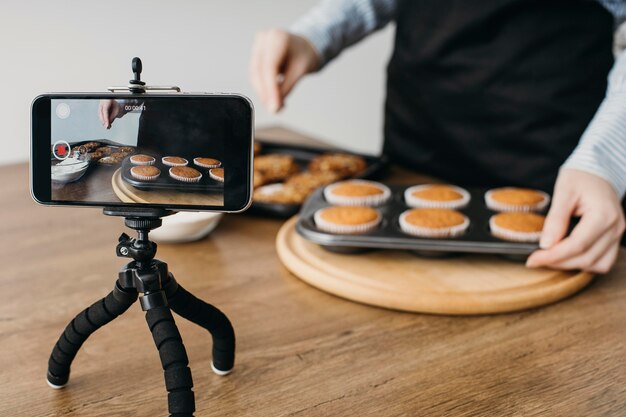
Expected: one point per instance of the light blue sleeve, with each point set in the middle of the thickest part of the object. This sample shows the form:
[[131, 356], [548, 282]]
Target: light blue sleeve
[[333, 25]]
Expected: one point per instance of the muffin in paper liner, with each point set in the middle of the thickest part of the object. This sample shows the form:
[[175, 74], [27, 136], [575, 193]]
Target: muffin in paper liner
[[174, 161], [185, 174], [513, 235], [495, 205], [137, 173], [412, 200], [208, 163], [436, 232], [141, 159], [356, 199], [214, 173], [347, 229]]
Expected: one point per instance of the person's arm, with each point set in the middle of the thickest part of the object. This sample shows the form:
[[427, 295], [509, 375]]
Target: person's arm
[[334, 25], [110, 109], [591, 184], [281, 58]]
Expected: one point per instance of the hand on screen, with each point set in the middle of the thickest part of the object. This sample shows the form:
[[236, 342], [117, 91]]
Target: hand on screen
[[279, 60], [108, 111]]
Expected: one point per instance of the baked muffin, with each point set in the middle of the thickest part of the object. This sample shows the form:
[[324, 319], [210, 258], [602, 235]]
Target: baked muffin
[[357, 193], [278, 194], [207, 162], [516, 199], [185, 174], [174, 161], [517, 226], [217, 174], [344, 165], [347, 219], [145, 172], [309, 181], [436, 196], [276, 167], [433, 222], [141, 159]]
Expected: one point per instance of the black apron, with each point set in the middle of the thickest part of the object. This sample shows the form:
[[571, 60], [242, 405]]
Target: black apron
[[488, 93], [193, 129]]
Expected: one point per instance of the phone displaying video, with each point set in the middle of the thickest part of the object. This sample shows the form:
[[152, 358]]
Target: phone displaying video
[[176, 151]]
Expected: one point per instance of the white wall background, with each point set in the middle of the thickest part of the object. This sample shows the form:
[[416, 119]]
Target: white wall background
[[201, 45]]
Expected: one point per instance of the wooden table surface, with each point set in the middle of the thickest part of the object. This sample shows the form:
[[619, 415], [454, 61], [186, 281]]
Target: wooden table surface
[[301, 352]]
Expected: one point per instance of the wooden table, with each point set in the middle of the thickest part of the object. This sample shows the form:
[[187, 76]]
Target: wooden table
[[301, 352]]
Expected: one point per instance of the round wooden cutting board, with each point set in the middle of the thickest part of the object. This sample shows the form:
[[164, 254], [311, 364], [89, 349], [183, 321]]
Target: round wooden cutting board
[[465, 284]]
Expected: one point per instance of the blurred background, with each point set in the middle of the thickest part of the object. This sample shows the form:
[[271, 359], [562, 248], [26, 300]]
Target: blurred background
[[199, 45]]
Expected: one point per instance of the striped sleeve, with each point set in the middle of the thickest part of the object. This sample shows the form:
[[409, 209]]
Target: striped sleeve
[[333, 25], [602, 147]]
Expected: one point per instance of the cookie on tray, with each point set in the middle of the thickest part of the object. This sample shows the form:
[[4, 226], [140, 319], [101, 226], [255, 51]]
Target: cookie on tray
[[357, 193], [433, 222], [342, 164], [516, 199], [145, 172], [113, 159], [347, 219], [517, 226], [276, 167], [309, 181], [436, 196], [185, 174], [278, 194], [257, 148]]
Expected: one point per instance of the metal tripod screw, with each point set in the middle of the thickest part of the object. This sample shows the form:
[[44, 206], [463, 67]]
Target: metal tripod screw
[[124, 251]]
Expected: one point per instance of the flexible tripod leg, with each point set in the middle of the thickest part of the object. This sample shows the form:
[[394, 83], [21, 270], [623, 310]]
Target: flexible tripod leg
[[81, 327], [178, 380], [212, 319]]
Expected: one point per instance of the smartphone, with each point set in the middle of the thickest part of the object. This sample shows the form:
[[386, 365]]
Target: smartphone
[[182, 151]]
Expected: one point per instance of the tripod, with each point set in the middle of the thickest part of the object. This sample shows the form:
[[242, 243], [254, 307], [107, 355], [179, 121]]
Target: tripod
[[160, 293]]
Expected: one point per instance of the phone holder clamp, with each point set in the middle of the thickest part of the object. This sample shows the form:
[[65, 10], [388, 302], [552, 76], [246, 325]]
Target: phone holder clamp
[[136, 86]]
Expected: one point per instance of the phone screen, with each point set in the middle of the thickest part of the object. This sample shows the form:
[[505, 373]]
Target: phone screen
[[188, 152]]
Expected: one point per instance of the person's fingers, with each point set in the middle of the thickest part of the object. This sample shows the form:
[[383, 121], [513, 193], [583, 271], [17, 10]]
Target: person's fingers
[[272, 61], [588, 230], [558, 218], [587, 260], [604, 264], [293, 72], [105, 113], [101, 114]]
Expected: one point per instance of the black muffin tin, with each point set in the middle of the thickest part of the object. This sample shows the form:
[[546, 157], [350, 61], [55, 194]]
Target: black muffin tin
[[376, 167], [388, 235], [167, 183]]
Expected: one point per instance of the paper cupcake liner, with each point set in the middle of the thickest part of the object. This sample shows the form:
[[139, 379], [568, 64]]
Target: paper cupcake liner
[[499, 206], [344, 229], [420, 231], [173, 164], [209, 166], [416, 202], [144, 177], [215, 177], [185, 179], [368, 200], [512, 235], [142, 162]]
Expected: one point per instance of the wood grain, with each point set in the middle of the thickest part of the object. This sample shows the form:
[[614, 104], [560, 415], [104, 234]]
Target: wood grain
[[301, 351], [403, 281]]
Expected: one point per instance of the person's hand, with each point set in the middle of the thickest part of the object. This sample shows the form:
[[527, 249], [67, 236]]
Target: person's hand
[[279, 60], [108, 111], [594, 243]]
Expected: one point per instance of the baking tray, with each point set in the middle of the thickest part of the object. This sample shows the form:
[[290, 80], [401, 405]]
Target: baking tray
[[376, 168], [167, 183], [388, 235]]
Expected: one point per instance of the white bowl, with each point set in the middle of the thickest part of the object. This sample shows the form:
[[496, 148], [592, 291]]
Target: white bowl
[[186, 227]]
